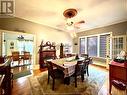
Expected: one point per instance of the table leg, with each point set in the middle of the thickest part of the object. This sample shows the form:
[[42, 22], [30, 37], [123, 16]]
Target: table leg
[[67, 80]]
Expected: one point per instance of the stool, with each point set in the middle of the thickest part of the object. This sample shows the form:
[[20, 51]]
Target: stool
[[119, 88]]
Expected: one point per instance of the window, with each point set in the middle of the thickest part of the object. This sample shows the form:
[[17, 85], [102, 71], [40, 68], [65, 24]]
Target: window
[[82, 45], [103, 39], [92, 46], [26, 45]]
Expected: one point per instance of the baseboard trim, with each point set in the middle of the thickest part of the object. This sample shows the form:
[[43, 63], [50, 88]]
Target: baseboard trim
[[99, 65]]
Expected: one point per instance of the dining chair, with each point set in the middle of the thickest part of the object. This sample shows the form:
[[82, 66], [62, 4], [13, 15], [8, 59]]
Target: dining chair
[[79, 71], [26, 57], [70, 55], [86, 64], [2, 59], [16, 56], [84, 55], [6, 69], [54, 73]]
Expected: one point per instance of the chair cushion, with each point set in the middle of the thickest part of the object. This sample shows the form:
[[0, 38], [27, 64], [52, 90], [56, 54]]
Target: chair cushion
[[119, 85]]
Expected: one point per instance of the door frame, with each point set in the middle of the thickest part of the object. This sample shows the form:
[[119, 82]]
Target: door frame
[[16, 32]]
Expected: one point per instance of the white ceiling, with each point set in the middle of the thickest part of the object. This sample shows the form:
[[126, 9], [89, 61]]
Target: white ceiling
[[96, 13]]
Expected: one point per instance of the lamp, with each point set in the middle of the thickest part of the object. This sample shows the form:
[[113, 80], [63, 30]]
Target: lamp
[[20, 37]]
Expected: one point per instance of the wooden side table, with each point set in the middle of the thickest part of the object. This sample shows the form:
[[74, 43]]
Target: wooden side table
[[117, 71]]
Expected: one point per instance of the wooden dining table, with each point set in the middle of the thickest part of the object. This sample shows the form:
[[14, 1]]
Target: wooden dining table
[[67, 65]]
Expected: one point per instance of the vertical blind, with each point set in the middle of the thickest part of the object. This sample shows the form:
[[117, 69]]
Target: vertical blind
[[92, 43], [82, 45], [103, 39]]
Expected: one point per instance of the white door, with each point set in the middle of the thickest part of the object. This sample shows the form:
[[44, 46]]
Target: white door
[[115, 45]]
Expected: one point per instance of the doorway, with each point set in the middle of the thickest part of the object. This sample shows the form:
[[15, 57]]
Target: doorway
[[15, 41], [115, 45]]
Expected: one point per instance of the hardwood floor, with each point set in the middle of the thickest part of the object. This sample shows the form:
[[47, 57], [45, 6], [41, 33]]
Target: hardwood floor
[[21, 85]]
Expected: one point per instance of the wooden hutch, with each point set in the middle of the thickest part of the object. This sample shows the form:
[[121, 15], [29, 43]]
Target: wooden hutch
[[46, 51]]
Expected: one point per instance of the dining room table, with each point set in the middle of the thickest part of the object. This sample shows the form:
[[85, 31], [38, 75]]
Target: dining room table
[[67, 65]]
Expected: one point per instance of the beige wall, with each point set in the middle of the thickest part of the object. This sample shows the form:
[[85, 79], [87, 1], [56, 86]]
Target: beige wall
[[116, 29], [41, 32]]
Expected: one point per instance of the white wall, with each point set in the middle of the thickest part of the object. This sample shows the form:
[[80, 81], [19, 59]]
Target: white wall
[[53, 36]]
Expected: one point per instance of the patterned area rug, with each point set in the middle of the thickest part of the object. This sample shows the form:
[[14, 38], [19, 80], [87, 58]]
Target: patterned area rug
[[90, 86]]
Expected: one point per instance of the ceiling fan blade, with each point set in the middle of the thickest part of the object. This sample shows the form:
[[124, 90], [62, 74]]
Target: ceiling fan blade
[[80, 22]]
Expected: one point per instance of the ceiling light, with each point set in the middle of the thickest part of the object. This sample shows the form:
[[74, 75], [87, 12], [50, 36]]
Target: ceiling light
[[70, 27], [69, 13], [69, 22]]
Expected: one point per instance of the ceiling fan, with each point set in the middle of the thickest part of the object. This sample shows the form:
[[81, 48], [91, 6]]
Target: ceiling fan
[[69, 14]]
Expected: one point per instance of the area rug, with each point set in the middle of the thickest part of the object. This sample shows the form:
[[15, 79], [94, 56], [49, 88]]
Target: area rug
[[90, 86], [21, 74]]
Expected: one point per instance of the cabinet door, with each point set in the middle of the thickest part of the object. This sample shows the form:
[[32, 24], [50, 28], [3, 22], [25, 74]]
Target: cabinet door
[[118, 72]]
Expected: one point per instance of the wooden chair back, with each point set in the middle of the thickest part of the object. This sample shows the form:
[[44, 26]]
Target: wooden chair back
[[79, 71], [26, 55], [70, 55], [15, 55], [86, 64], [79, 67], [50, 69], [85, 55]]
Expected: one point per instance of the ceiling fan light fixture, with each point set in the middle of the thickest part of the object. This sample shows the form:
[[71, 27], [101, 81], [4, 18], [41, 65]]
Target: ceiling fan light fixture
[[69, 22], [69, 13], [70, 28]]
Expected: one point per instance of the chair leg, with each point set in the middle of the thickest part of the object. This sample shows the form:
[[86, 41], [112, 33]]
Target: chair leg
[[75, 81], [18, 62], [23, 61], [53, 84], [87, 71], [48, 78], [82, 77], [12, 80]]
